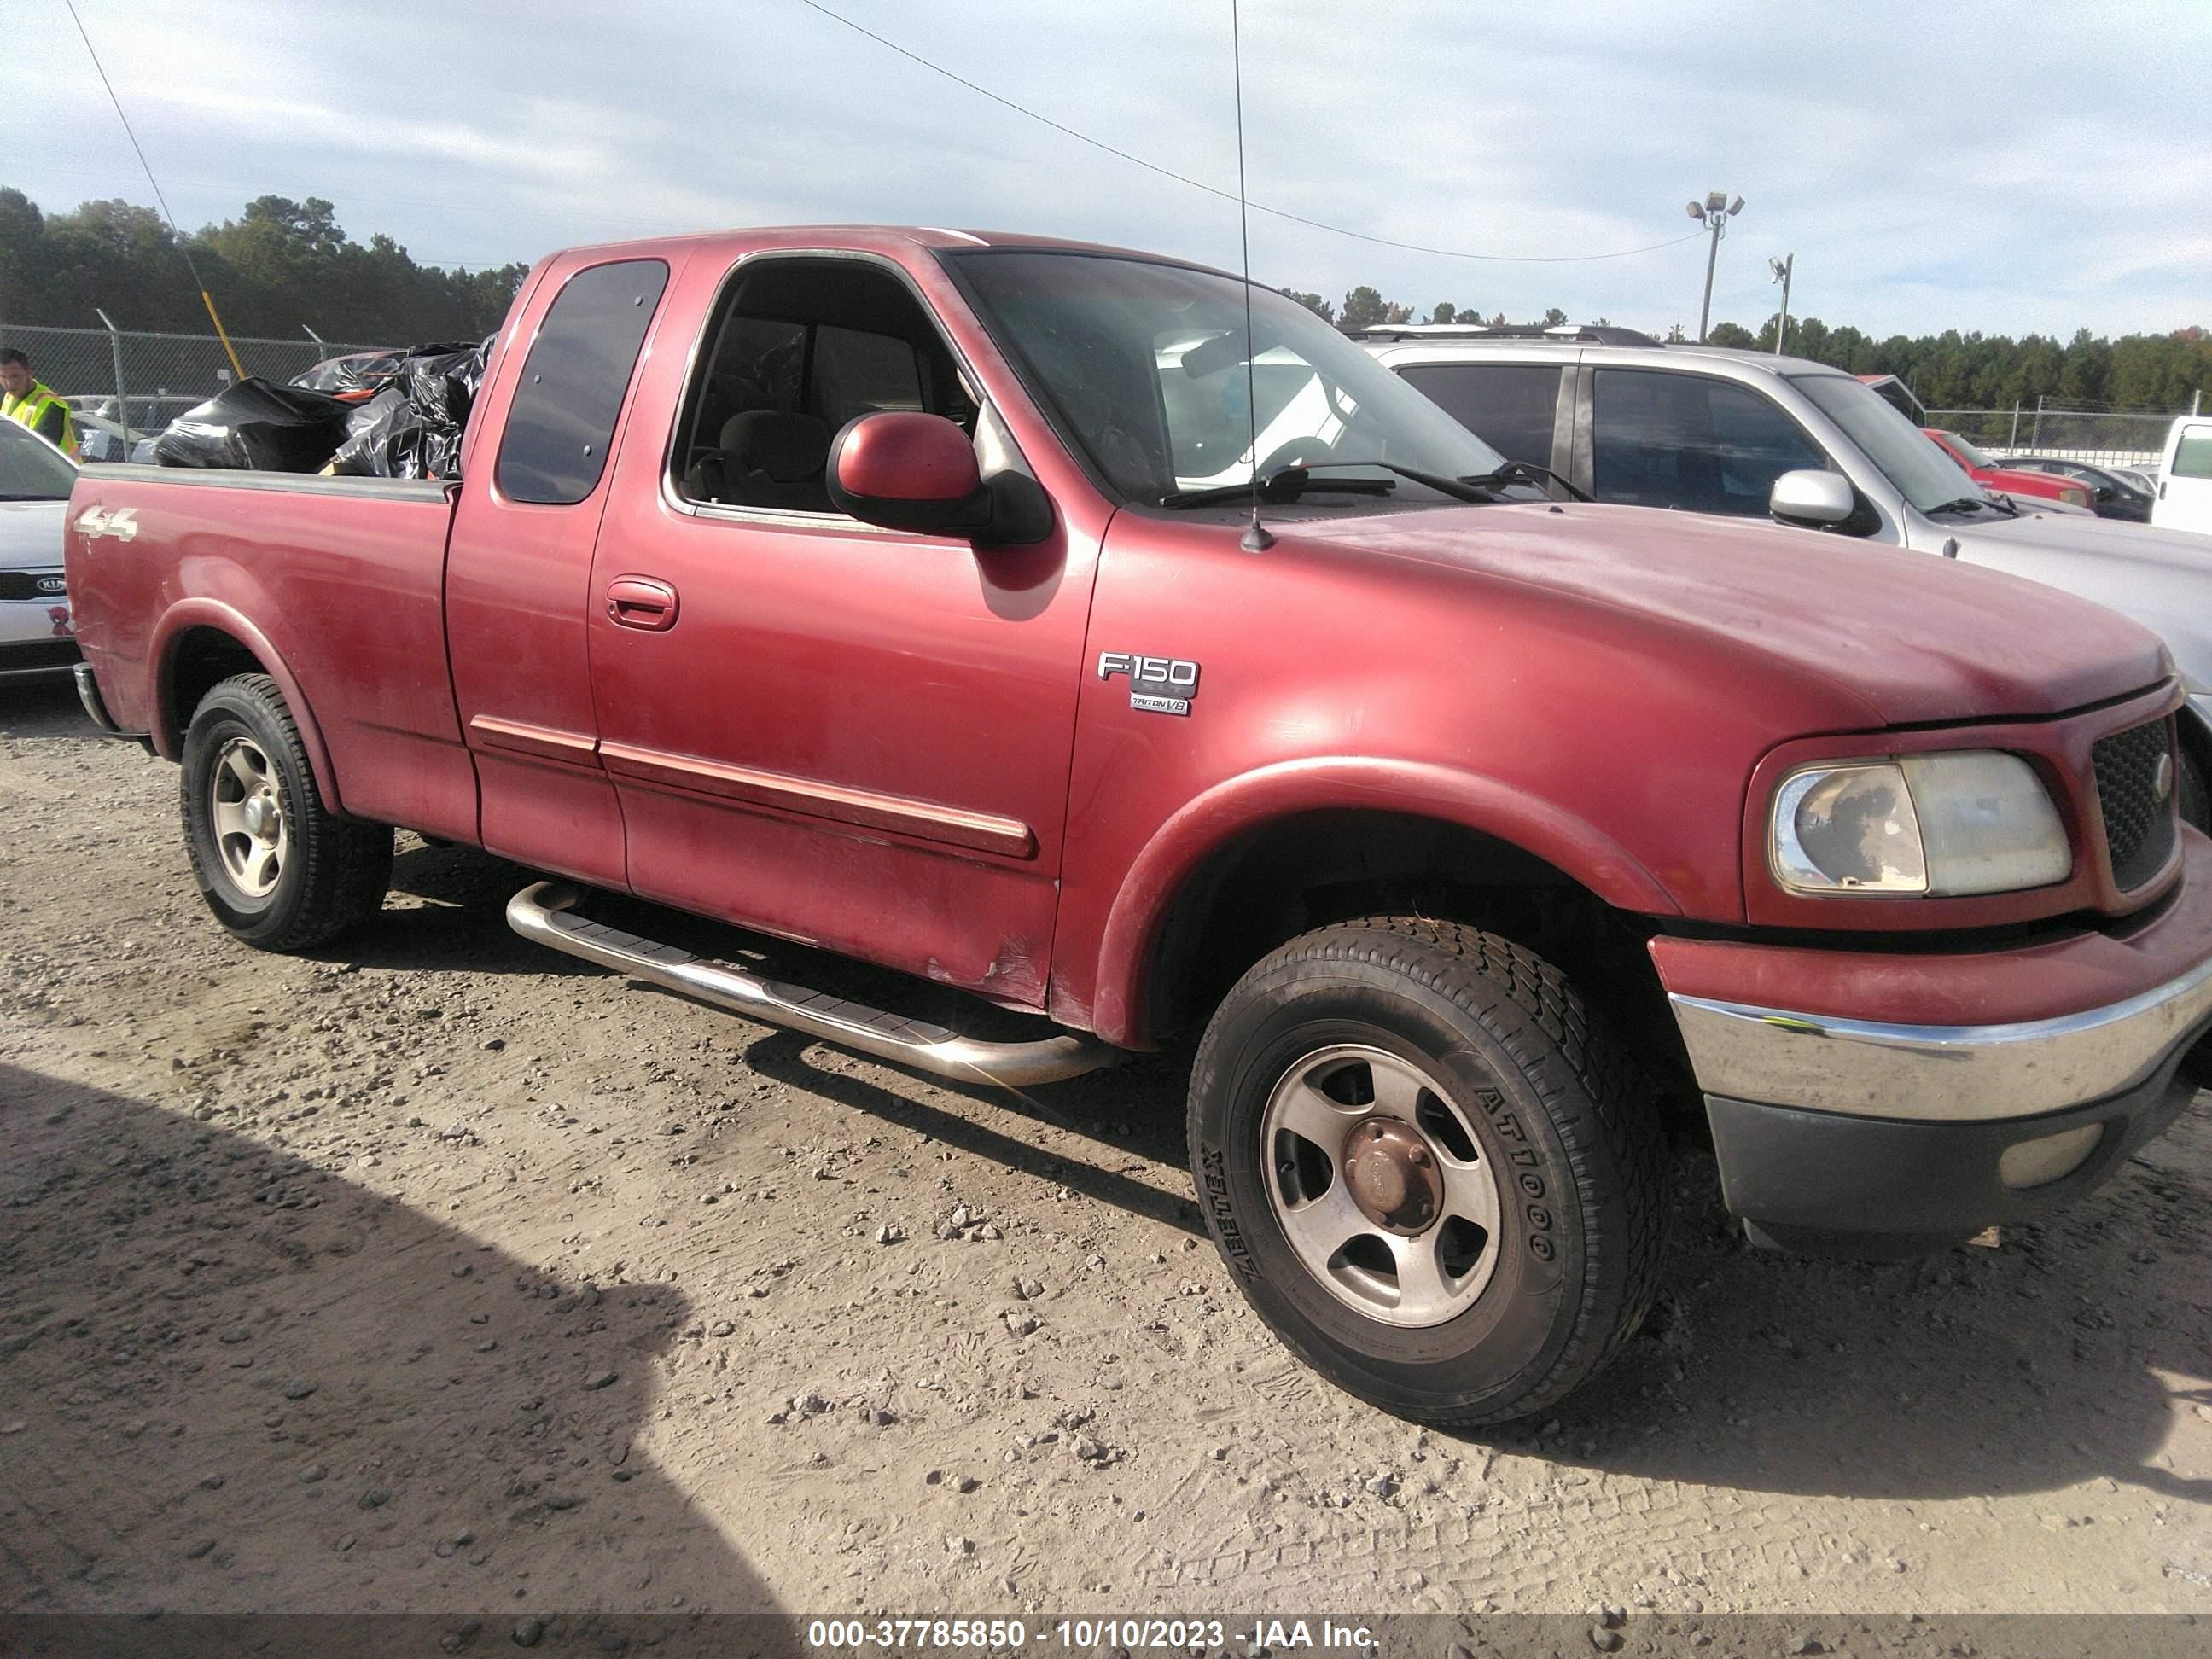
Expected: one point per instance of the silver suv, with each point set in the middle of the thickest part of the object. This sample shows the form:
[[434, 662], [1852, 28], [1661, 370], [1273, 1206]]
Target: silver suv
[[1704, 429]]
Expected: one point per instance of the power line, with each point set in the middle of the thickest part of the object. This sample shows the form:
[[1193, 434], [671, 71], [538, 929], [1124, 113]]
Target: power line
[[1230, 196], [101, 69]]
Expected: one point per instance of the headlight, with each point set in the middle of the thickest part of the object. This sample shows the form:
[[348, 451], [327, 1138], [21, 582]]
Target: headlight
[[1944, 825]]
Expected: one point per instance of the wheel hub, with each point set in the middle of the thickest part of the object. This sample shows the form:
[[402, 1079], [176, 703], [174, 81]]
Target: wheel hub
[[1392, 1175]]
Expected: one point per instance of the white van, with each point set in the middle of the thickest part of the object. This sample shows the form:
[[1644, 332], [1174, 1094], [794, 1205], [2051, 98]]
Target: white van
[[2184, 481]]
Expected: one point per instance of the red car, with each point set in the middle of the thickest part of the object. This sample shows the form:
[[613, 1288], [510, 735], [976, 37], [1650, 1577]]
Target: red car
[[1992, 475], [901, 593]]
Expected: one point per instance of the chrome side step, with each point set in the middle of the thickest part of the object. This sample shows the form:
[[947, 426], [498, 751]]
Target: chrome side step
[[543, 913]]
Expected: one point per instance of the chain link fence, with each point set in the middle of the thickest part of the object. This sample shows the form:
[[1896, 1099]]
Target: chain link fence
[[125, 385], [2101, 437]]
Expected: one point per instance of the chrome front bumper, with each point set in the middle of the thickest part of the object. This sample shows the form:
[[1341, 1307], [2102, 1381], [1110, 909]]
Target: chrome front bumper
[[1940, 1074]]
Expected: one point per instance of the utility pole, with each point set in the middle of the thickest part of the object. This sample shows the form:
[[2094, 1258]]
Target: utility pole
[[1714, 212], [1781, 269]]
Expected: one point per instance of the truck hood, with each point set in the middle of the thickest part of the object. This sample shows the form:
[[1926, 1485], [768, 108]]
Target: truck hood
[[2160, 577], [1911, 640], [31, 535]]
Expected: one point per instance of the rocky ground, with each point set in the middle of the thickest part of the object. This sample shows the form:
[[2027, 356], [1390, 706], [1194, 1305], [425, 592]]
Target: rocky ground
[[441, 1272]]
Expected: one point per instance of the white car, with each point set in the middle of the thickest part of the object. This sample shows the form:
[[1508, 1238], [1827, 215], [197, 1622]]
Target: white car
[[35, 477], [2184, 500]]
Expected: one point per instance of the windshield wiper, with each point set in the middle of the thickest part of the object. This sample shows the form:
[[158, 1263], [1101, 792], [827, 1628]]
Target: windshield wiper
[[1284, 484], [1526, 472], [1970, 504], [1287, 483]]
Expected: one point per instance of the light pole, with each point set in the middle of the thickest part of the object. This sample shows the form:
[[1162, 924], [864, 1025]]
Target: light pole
[[1781, 269], [1714, 212]]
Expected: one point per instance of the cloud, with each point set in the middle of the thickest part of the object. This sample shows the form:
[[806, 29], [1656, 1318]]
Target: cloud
[[2002, 169]]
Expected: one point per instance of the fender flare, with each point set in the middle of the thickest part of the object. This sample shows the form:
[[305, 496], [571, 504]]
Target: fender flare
[[1252, 800], [180, 619]]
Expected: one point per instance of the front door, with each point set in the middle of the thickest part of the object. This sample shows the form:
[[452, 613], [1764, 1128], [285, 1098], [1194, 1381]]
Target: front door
[[849, 736]]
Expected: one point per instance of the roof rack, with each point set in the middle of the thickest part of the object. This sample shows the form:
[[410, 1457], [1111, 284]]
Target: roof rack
[[1566, 333]]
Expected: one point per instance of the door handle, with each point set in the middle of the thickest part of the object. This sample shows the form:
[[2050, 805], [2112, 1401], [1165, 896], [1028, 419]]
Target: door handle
[[640, 602]]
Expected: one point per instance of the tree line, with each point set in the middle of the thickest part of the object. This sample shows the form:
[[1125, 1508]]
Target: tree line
[[281, 265], [277, 268], [1950, 370]]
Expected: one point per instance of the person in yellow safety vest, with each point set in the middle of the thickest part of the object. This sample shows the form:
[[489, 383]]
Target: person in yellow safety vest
[[30, 402]]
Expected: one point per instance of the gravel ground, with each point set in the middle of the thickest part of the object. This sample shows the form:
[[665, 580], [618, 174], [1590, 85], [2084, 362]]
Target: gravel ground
[[440, 1271]]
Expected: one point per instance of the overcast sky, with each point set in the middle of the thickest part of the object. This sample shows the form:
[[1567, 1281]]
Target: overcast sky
[[2007, 168]]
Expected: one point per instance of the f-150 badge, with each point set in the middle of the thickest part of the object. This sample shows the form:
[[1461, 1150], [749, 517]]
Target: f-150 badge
[[1157, 685]]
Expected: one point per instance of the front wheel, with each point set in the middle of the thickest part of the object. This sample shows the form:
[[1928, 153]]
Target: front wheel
[[277, 868], [1424, 1160]]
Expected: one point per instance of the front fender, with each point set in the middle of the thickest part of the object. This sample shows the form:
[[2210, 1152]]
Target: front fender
[[179, 620], [1246, 802]]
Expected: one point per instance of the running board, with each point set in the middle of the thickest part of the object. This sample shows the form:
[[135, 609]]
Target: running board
[[544, 913]]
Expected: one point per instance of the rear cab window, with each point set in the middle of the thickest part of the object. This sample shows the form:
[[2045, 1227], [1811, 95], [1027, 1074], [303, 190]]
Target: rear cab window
[[554, 450], [1512, 407]]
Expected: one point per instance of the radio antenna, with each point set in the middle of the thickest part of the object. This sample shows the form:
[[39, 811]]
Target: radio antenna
[[1256, 539]]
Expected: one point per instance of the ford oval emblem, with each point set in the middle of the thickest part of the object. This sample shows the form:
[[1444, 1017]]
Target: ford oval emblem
[[2161, 779]]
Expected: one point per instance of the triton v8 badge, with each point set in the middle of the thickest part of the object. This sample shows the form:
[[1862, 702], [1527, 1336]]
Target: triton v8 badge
[[1157, 685]]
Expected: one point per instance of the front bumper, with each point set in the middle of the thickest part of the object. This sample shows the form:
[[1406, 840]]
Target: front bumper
[[1888, 1135], [35, 640]]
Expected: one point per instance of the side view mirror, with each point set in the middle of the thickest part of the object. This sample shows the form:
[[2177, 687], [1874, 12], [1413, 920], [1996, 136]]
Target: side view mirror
[[907, 470], [1812, 497], [2103, 492]]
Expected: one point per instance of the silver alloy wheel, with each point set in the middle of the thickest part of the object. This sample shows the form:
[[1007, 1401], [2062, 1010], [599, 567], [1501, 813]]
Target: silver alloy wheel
[[245, 809], [1380, 1186]]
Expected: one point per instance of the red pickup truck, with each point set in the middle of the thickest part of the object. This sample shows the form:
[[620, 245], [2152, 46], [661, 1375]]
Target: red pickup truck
[[1992, 474], [890, 591]]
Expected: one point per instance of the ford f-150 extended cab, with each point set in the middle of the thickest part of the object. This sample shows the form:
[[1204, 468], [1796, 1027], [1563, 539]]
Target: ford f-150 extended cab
[[892, 591]]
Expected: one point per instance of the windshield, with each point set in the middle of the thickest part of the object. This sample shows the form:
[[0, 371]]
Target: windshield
[[31, 469], [1974, 457], [1142, 368], [1919, 470]]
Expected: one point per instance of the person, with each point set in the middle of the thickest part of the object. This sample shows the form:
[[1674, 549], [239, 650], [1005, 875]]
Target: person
[[31, 403]]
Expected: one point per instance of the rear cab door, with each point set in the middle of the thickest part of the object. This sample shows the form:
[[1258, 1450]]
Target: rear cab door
[[535, 488]]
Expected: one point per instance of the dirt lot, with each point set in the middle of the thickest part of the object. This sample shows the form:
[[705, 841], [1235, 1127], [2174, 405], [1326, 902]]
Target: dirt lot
[[442, 1272]]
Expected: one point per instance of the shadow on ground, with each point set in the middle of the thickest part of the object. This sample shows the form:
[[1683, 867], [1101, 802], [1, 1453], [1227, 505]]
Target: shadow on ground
[[2028, 1368], [234, 1380]]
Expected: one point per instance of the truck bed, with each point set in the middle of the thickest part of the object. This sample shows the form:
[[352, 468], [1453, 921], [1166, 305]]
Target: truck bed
[[338, 582]]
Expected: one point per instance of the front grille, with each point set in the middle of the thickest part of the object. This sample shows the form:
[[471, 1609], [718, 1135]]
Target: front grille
[[2139, 815], [24, 585]]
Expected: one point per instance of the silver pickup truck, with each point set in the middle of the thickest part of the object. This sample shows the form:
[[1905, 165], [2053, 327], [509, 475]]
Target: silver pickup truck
[[1707, 429]]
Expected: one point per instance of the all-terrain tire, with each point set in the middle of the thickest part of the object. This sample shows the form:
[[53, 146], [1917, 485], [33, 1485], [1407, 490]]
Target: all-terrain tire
[[1571, 1141], [333, 872]]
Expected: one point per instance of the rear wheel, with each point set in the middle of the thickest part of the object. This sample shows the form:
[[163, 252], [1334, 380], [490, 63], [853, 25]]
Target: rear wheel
[[278, 868], [1424, 1162]]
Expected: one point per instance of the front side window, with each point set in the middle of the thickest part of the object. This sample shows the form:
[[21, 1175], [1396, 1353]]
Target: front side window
[[562, 418], [1510, 406], [801, 347], [1143, 371], [1690, 443], [2192, 456]]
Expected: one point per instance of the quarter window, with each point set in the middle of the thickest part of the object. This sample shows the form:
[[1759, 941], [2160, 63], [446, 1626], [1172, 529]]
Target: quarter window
[[1693, 444], [562, 418]]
